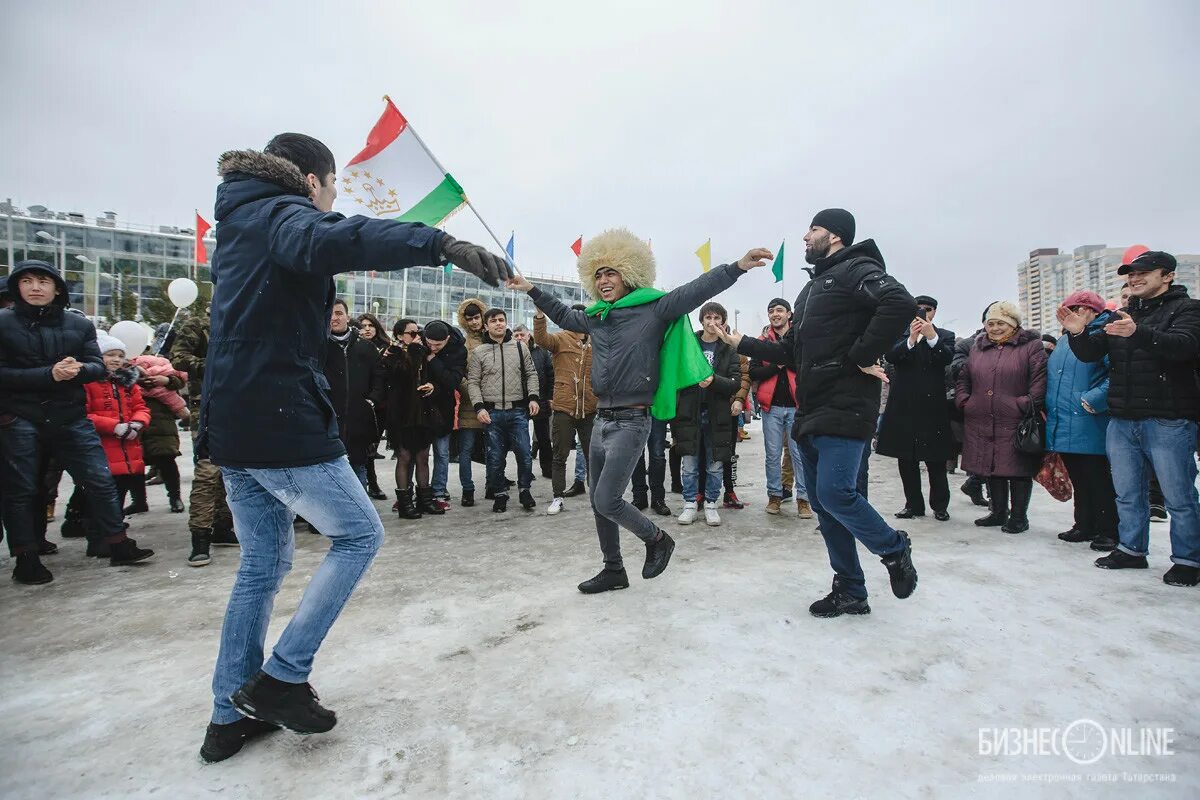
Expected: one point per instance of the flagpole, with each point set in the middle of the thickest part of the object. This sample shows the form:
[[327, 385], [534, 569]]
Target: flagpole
[[466, 199]]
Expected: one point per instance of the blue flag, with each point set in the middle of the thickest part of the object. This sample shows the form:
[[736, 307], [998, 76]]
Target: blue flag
[[508, 248]]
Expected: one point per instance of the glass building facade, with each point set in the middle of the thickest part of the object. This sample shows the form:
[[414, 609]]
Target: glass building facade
[[111, 267]]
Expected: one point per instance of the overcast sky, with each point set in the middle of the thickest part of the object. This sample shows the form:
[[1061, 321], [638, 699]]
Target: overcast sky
[[961, 138]]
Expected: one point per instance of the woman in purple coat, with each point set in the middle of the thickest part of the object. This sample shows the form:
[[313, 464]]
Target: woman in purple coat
[[1004, 377]]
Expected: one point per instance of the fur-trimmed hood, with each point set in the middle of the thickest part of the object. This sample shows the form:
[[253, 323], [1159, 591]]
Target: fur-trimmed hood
[[250, 175], [472, 339], [620, 250]]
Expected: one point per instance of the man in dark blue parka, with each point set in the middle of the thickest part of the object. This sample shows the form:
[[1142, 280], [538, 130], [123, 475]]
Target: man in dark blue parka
[[267, 420]]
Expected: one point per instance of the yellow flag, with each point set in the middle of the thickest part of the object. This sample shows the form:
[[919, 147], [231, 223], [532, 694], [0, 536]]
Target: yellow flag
[[704, 253]]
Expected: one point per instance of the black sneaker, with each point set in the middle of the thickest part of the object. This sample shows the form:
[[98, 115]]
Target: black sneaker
[[468, 499], [1119, 559], [527, 501], [176, 504], [908, 513], [1158, 514], [661, 508], [375, 493], [500, 504], [658, 555], [993, 520], [606, 581], [640, 502], [1182, 575], [901, 570], [577, 488], [223, 741], [30, 571], [47, 548], [839, 602], [127, 552], [289, 705], [200, 556], [1015, 525], [224, 537], [1104, 544], [135, 508], [1076, 535], [941, 516]]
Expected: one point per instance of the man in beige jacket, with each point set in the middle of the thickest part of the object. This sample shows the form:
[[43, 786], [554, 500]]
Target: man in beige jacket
[[573, 404]]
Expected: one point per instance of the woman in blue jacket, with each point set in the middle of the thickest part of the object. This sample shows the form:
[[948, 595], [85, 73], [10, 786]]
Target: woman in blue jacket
[[1076, 421]]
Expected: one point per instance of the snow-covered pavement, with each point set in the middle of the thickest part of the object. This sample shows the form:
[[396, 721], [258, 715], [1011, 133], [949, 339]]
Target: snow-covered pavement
[[467, 665]]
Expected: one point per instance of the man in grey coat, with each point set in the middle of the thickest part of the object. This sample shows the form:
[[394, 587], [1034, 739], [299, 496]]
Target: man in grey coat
[[626, 340]]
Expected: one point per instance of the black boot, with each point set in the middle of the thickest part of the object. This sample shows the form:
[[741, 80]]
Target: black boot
[[658, 555], [1182, 575], [47, 548], [223, 741], [375, 493], [29, 570], [1018, 519], [577, 488], [126, 552], [97, 548], [223, 536], [1076, 535], [527, 501], [901, 570], [199, 556], [499, 503], [289, 705], [468, 498], [661, 508], [1104, 544], [425, 502], [998, 488], [408, 509], [74, 526], [136, 507], [640, 501], [606, 581], [839, 602], [973, 488], [1119, 559], [176, 504]]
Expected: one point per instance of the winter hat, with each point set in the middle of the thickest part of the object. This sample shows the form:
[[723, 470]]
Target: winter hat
[[107, 341], [1003, 311], [837, 221], [925, 300], [437, 331], [619, 250], [779, 301], [1085, 298]]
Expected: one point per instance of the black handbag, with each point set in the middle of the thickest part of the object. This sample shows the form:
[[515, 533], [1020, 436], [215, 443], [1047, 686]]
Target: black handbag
[[1030, 437]]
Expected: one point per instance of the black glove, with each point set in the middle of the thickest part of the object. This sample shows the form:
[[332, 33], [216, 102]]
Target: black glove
[[478, 261]]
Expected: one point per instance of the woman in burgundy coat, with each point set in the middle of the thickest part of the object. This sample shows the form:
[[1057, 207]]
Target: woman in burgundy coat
[[1004, 376]]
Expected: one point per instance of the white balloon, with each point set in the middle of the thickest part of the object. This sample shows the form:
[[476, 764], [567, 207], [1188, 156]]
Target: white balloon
[[134, 335], [183, 292]]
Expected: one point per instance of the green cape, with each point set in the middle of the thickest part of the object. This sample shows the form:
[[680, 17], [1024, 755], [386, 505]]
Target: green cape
[[681, 362]]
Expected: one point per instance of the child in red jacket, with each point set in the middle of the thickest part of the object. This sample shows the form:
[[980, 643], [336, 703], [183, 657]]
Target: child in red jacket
[[116, 408]]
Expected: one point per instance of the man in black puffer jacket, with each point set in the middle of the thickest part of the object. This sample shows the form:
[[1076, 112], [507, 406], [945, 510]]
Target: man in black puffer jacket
[[350, 368], [46, 356], [845, 319], [1154, 400]]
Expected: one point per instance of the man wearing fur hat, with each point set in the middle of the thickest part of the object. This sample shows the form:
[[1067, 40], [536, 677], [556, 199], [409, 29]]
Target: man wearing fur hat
[[846, 317], [632, 326], [268, 421]]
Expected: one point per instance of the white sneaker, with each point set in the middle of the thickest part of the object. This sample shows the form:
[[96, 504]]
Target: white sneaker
[[556, 505], [688, 516], [710, 515]]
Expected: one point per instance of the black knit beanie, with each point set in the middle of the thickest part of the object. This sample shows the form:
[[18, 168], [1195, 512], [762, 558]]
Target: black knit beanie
[[779, 301], [437, 330], [837, 221]]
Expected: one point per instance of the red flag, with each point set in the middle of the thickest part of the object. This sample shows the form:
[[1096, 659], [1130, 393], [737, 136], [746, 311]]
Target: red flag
[[202, 228], [577, 245]]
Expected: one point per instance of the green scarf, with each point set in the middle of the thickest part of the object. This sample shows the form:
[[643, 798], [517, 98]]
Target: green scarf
[[681, 362]]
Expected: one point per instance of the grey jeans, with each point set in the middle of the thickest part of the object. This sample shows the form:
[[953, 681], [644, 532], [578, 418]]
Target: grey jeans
[[615, 447]]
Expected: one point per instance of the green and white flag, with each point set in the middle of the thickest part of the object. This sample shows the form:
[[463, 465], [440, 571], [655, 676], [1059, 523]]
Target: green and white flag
[[395, 177]]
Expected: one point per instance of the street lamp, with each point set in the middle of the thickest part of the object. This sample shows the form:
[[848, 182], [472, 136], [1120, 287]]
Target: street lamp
[[96, 262], [61, 241]]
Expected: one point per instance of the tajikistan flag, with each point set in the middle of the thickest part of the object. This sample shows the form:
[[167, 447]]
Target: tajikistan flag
[[395, 177]]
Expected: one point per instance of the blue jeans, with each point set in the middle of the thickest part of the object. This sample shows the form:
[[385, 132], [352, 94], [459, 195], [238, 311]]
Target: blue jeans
[[832, 467], [441, 466], [509, 430], [264, 503], [466, 443], [777, 433], [580, 463], [76, 447], [1168, 446], [689, 467]]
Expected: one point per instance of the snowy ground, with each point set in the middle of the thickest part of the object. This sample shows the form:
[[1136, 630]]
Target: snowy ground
[[467, 665]]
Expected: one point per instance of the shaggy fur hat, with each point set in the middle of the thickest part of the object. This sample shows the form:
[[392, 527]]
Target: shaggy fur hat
[[620, 250], [1005, 312]]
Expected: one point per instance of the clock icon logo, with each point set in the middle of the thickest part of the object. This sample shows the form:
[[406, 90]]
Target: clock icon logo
[[1084, 741]]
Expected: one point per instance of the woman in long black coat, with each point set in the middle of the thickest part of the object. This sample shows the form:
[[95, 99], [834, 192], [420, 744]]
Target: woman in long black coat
[[916, 422]]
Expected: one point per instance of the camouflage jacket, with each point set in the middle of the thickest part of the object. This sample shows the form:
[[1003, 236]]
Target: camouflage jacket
[[188, 354]]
